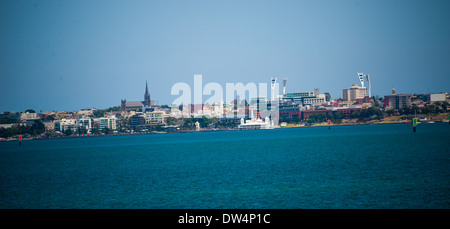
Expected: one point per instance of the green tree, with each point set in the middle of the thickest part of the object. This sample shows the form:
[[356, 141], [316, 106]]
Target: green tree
[[38, 127], [428, 109], [355, 114], [389, 112], [188, 124], [414, 109], [405, 111], [337, 117], [444, 106], [68, 132], [6, 120]]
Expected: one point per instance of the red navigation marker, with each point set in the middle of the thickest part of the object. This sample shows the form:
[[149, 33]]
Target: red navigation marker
[[20, 137], [329, 122]]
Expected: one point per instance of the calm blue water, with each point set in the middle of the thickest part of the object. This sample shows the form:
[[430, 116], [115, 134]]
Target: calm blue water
[[368, 166]]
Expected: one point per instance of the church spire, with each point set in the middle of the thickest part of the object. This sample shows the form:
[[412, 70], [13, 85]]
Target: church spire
[[146, 96]]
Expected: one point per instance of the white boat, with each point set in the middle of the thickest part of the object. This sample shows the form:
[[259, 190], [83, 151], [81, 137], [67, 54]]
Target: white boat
[[256, 124]]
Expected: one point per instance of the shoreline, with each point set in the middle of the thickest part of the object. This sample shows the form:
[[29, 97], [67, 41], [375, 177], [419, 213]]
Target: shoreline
[[227, 129]]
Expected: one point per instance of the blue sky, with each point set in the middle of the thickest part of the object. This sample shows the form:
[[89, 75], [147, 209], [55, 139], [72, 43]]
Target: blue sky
[[67, 55]]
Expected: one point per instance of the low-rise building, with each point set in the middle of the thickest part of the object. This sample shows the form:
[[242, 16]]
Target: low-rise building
[[65, 124], [27, 115], [305, 98], [154, 118], [86, 112], [441, 97], [137, 120], [108, 122], [307, 113]]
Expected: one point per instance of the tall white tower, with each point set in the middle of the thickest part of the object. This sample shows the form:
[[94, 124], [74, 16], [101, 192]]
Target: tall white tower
[[367, 78], [284, 85], [273, 82], [361, 78]]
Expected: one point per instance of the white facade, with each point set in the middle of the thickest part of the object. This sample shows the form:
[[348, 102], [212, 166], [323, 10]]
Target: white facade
[[438, 97], [108, 122], [85, 123], [66, 124], [27, 116], [319, 99], [86, 112], [75, 124]]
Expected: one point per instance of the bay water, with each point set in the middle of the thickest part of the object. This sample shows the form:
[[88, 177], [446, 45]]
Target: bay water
[[364, 166]]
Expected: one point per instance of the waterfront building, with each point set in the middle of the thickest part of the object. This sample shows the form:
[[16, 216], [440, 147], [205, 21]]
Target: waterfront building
[[73, 124], [27, 116], [49, 126], [86, 112], [397, 101], [171, 129], [354, 93], [154, 118], [440, 97], [305, 98], [302, 114], [255, 123], [297, 97], [85, 123], [108, 122], [307, 113], [137, 120], [292, 112], [319, 99], [65, 124]]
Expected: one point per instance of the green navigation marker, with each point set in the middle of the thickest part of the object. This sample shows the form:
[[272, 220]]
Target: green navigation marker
[[414, 122]]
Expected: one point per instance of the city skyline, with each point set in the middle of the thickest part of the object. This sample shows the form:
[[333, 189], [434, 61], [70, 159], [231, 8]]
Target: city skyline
[[78, 54]]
